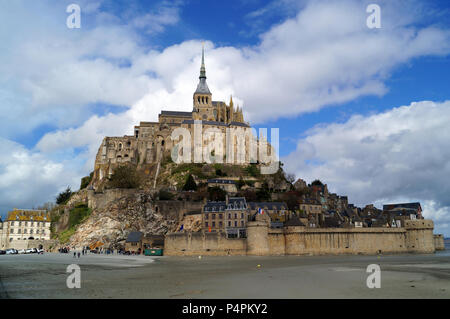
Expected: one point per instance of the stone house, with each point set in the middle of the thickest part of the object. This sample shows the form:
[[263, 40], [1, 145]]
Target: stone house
[[229, 216]]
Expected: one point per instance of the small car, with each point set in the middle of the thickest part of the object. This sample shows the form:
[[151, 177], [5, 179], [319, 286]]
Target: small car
[[11, 251], [40, 251], [22, 251], [31, 251], [2, 252]]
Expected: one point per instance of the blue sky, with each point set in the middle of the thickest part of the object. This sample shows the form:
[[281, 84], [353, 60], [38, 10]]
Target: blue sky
[[311, 68]]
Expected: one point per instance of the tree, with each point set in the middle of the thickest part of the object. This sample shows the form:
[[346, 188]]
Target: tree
[[263, 193], [290, 178], [64, 197], [317, 183], [216, 194], [190, 184], [124, 176]]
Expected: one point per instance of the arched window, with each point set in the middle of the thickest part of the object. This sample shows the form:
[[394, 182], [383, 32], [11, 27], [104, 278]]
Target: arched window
[[120, 146]]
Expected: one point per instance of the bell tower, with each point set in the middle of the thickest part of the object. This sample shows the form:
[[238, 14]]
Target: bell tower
[[203, 108]]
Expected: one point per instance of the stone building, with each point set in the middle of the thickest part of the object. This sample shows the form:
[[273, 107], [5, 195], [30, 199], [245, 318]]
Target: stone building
[[23, 227], [229, 216], [152, 141], [277, 211]]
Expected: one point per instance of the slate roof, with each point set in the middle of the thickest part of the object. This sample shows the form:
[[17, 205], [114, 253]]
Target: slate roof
[[176, 113], [202, 87], [237, 203], [216, 123], [239, 124], [330, 222], [221, 206], [269, 205], [214, 207], [294, 221], [134, 237]]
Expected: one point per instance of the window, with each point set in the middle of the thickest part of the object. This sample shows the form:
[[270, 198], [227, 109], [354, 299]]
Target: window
[[229, 216], [229, 224], [235, 223], [242, 215], [242, 223], [220, 216], [235, 215], [213, 216], [206, 224], [220, 224], [12, 231], [213, 224]]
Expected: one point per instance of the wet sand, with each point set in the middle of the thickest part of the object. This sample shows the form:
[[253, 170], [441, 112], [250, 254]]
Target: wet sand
[[102, 276]]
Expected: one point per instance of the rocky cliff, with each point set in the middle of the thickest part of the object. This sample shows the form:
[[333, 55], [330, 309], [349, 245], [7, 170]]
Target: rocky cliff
[[112, 223]]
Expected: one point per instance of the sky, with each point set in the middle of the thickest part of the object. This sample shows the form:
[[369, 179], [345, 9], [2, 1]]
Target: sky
[[365, 110]]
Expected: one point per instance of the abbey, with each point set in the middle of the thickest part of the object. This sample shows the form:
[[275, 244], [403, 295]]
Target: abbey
[[153, 140]]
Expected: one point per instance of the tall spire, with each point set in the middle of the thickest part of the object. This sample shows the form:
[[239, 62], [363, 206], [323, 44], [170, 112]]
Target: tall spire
[[202, 87], [202, 68]]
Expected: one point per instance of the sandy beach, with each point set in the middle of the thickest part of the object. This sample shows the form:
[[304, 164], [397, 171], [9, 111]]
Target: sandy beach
[[106, 276]]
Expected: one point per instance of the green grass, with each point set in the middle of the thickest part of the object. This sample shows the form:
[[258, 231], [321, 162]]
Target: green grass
[[77, 215]]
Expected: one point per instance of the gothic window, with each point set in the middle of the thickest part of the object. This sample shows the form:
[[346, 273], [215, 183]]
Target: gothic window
[[198, 99]]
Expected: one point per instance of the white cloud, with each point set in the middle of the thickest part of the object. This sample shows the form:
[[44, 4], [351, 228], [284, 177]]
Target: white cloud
[[399, 155], [29, 179]]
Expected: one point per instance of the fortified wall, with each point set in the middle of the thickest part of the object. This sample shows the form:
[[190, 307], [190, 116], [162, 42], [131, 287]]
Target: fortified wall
[[415, 237]]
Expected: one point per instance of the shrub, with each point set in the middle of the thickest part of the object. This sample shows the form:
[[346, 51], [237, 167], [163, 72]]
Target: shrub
[[252, 170], [86, 180], [165, 195], [124, 176], [216, 194]]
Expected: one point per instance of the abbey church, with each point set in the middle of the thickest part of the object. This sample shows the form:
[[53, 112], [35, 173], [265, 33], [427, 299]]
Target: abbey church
[[152, 140]]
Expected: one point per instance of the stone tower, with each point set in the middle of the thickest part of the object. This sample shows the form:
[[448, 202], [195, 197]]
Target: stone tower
[[258, 236], [203, 107]]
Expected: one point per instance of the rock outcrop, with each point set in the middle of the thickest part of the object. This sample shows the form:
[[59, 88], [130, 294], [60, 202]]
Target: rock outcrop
[[111, 224]]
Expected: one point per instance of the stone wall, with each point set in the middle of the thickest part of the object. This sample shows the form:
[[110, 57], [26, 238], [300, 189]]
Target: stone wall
[[415, 237], [328, 241], [202, 243], [439, 242]]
